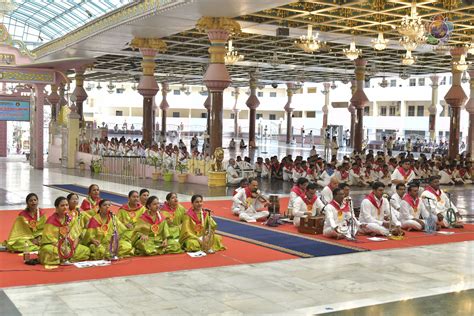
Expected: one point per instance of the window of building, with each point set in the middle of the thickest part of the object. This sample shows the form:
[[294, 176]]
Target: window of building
[[204, 115], [420, 111], [383, 111], [273, 94], [450, 80], [412, 82], [393, 83], [421, 81], [311, 114], [411, 110], [367, 84], [260, 94], [175, 114], [232, 115], [393, 111], [176, 92], [259, 115], [366, 111], [118, 113], [272, 117], [443, 81]]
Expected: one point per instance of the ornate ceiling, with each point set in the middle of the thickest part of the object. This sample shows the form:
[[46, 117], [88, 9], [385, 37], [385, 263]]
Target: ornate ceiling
[[277, 59]]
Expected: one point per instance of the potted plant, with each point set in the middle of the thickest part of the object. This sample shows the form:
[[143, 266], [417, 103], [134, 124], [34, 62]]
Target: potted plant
[[96, 165], [156, 162], [82, 165], [182, 175], [168, 173]]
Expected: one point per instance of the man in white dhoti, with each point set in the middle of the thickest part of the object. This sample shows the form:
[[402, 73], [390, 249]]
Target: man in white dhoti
[[298, 190], [438, 203], [232, 176], [337, 218], [248, 205], [375, 211], [403, 174], [307, 204], [412, 210], [326, 193]]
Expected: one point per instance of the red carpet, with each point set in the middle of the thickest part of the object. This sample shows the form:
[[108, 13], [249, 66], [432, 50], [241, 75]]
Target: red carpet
[[411, 239], [14, 273]]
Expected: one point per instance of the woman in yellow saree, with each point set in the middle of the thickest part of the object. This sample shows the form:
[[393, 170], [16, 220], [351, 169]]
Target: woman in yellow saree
[[103, 235], [129, 214], [196, 225], [174, 214], [75, 211], [60, 242], [90, 204], [27, 228], [151, 236]]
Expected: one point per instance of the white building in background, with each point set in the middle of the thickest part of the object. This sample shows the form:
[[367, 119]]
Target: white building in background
[[400, 109]]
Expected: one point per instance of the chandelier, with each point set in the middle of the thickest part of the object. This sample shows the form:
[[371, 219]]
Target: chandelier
[[275, 61], [470, 48], [410, 44], [99, 87], [232, 56], [203, 92], [183, 87], [412, 26], [134, 86], [352, 53], [408, 59], [110, 87], [188, 91], [461, 65], [333, 85], [345, 80], [464, 78], [309, 43], [404, 75], [380, 43], [383, 83], [6, 7], [89, 86]]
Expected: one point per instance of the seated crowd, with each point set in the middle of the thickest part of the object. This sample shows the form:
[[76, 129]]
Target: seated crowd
[[144, 226]]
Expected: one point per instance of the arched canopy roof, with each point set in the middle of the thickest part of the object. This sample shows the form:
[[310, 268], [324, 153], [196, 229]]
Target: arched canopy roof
[[36, 22]]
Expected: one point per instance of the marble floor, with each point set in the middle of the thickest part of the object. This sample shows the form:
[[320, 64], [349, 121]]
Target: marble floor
[[337, 284]]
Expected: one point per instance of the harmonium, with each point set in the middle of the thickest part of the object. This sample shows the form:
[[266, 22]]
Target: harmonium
[[311, 225]]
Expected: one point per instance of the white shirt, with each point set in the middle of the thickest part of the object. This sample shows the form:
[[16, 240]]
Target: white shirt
[[300, 208], [370, 214], [332, 219], [433, 205], [326, 195], [396, 175], [407, 212], [395, 201], [231, 173], [240, 198], [446, 178]]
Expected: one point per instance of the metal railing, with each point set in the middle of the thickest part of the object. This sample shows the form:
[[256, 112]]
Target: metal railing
[[125, 167]]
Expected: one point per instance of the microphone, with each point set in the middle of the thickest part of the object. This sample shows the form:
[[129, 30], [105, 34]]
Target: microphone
[[388, 197], [207, 210], [428, 198]]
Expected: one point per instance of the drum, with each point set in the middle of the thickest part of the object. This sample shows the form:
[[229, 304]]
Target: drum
[[274, 204], [311, 225]]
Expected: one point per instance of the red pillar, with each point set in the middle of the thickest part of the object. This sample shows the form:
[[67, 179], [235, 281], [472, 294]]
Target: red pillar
[[252, 104], [164, 106], [3, 139], [470, 110], [359, 100]]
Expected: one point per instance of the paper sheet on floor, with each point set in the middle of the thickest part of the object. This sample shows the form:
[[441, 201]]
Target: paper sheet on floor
[[95, 263], [445, 233], [197, 254], [376, 239]]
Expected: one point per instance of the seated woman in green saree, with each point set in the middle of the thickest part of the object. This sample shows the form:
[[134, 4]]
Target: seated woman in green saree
[[27, 228], [60, 242], [103, 235], [75, 211], [198, 229], [174, 214], [152, 236], [130, 212], [90, 204]]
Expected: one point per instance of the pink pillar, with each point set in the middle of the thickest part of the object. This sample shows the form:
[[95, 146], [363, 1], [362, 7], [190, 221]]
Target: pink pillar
[[325, 108], [359, 100], [164, 106], [289, 110], [455, 98], [79, 94], [36, 159], [53, 100], [353, 111], [207, 105], [470, 110], [3, 139], [252, 103]]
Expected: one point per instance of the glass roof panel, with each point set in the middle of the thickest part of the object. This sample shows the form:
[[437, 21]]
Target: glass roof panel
[[36, 22]]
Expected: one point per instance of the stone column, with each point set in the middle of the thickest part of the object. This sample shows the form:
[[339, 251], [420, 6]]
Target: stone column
[[252, 103], [79, 94], [470, 110], [359, 100], [207, 105], [164, 106], [353, 112], [3, 139], [236, 112], [217, 77], [36, 156], [433, 109], [73, 132], [147, 87], [289, 110], [455, 98], [327, 87]]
